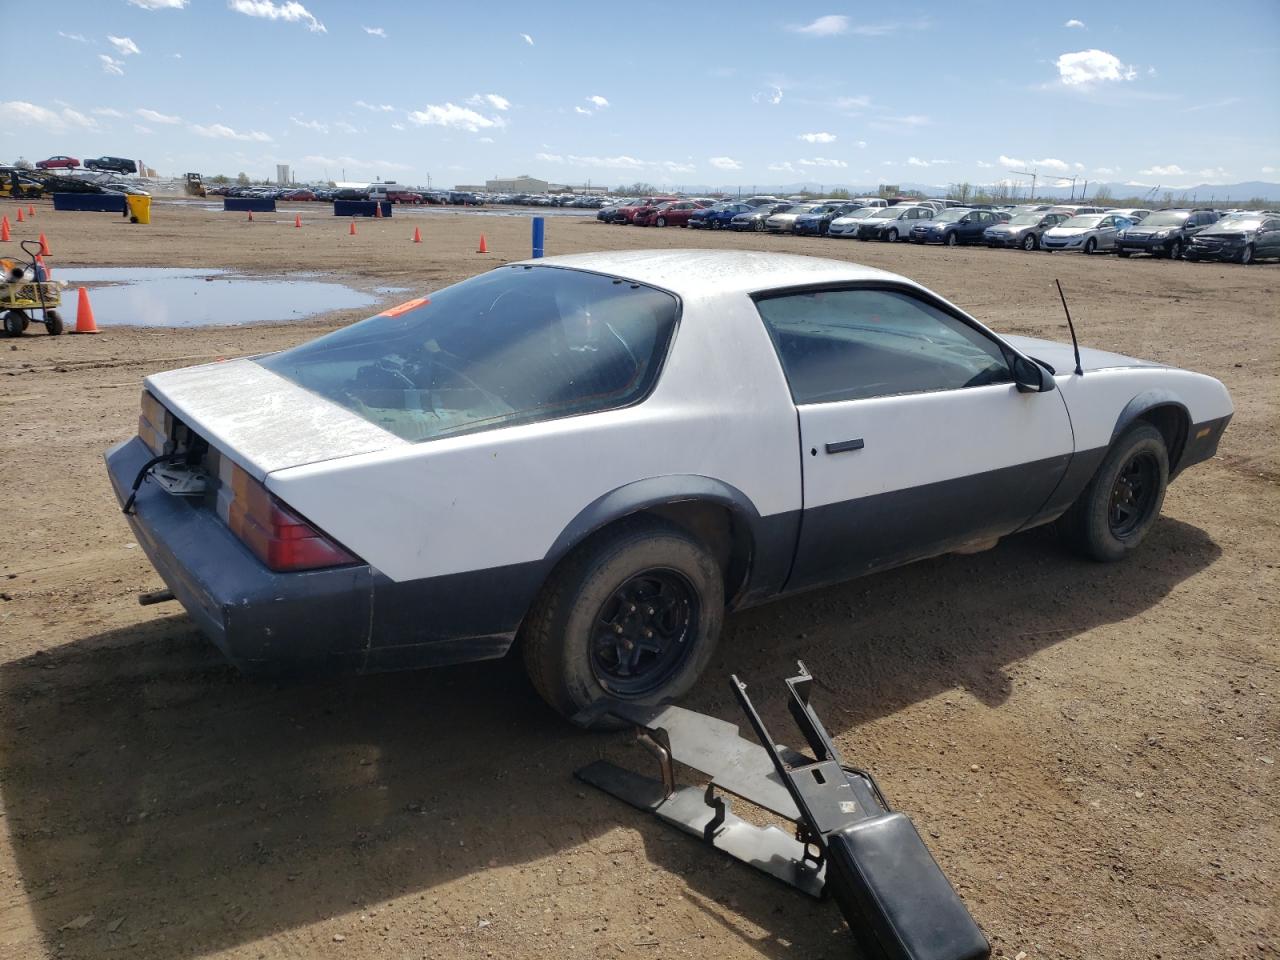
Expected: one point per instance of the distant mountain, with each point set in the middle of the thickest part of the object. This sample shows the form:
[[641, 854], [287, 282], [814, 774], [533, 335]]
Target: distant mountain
[[1218, 193]]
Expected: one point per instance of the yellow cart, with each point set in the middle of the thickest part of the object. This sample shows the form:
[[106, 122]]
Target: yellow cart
[[24, 299]]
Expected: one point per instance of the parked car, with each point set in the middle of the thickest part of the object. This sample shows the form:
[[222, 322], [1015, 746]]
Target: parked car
[[1241, 238], [1164, 233], [817, 222], [955, 226], [59, 162], [1136, 214], [718, 216], [299, 194], [1086, 232], [846, 225], [598, 484], [757, 218], [893, 223], [114, 164], [351, 193], [674, 213], [404, 196], [754, 202], [627, 213], [1022, 230], [606, 213], [785, 222]]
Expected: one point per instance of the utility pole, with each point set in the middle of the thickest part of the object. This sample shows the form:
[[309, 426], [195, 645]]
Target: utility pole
[[1033, 175]]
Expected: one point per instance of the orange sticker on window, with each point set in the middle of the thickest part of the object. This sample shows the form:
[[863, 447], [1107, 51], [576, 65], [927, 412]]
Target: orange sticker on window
[[404, 307]]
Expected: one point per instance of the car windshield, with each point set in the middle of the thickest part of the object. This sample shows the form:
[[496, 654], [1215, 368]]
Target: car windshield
[[515, 345], [1085, 222], [861, 212], [1025, 220], [1170, 218], [951, 215], [1234, 225], [884, 213]]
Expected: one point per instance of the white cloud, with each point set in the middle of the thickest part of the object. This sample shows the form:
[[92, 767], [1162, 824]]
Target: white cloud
[[1214, 174], [174, 56], [155, 116], [315, 125], [376, 107], [398, 126], [918, 162], [484, 140], [77, 37], [983, 165], [218, 131], [455, 117], [822, 162], [783, 166], [599, 101], [1074, 24], [490, 99], [1268, 169], [1086, 67], [1105, 171], [582, 110], [1171, 170], [107, 112], [23, 112], [828, 26], [344, 127], [724, 163], [291, 12], [375, 31], [906, 120], [1049, 163], [527, 39], [159, 4], [124, 46], [111, 65], [139, 128], [852, 103], [817, 137], [773, 95], [1151, 71]]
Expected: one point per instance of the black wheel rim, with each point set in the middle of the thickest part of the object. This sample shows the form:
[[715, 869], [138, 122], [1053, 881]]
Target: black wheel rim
[[1133, 495], [644, 632]]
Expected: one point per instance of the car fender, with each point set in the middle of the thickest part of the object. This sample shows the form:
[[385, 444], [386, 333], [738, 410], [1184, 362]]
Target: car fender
[[768, 542], [1147, 401]]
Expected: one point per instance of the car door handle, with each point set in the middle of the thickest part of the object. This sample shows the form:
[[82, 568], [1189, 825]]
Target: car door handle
[[843, 445]]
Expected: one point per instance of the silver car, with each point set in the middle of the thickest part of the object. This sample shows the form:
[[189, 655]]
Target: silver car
[[1088, 233], [847, 225], [1023, 230], [786, 222]]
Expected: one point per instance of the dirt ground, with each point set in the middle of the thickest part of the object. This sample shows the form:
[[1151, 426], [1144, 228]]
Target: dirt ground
[[1088, 750]]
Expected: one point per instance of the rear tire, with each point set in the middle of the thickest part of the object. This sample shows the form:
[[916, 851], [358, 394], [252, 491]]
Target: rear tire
[[53, 323], [1175, 250], [892, 236], [660, 222], [14, 323], [567, 638], [1116, 511]]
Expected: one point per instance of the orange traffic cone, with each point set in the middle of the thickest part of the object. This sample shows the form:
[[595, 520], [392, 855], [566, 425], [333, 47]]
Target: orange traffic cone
[[417, 235], [48, 273], [297, 220], [377, 209], [4, 230], [251, 216], [484, 247], [31, 209], [20, 218], [44, 247], [84, 314], [352, 231]]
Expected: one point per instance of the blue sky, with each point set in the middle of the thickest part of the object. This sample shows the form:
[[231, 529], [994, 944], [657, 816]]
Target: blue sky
[[1172, 93]]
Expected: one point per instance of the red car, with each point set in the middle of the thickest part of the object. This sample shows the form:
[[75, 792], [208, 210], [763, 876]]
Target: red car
[[53, 163], [298, 195], [627, 214], [404, 196], [674, 213]]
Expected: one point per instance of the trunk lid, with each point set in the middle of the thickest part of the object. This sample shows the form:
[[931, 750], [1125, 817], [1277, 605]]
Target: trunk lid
[[262, 421]]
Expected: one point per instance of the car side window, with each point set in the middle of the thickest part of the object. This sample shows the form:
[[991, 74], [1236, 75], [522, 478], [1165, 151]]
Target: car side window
[[856, 344]]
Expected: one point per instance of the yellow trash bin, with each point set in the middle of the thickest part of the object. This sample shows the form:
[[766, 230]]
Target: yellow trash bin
[[139, 208]]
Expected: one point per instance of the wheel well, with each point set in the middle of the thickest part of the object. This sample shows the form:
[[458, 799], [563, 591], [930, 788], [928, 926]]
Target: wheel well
[[1172, 423]]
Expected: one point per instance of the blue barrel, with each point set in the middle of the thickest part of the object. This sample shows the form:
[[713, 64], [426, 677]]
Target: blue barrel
[[95, 202], [256, 204], [360, 208]]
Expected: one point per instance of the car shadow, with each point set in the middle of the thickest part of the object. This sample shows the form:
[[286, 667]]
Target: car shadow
[[184, 809]]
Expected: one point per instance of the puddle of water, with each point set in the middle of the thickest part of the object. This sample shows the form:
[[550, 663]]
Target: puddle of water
[[193, 297], [387, 291]]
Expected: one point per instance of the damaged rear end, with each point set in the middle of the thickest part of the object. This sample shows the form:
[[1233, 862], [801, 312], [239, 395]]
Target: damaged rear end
[[265, 583]]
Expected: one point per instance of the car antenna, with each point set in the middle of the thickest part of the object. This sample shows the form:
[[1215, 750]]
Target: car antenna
[[1075, 344]]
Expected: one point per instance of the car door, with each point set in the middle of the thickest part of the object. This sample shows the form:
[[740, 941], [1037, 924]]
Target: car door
[[973, 225], [914, 439], [1267, 240]]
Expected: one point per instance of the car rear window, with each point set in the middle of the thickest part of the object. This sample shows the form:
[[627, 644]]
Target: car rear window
[[515, 345]]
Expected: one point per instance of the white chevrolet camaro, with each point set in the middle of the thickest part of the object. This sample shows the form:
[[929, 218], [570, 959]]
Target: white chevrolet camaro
[[596, 456]]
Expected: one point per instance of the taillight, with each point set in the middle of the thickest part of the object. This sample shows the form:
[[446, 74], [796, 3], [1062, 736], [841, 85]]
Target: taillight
[[277, 536]]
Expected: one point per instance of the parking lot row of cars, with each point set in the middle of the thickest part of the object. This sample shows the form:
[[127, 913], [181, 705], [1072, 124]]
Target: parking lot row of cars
[[398, 194], [1194, 234]]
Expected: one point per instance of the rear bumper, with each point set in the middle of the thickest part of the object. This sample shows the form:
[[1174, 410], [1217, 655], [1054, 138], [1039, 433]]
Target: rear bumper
[[262, 621]]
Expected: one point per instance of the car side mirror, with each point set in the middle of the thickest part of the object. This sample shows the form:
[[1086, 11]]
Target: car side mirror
[[1030, 377]]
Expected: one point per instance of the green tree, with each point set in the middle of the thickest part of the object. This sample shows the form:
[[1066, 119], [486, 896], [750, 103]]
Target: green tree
[[242, 178], [220, 179], [960, 191]]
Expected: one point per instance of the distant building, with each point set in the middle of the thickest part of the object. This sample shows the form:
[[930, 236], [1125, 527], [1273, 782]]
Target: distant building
[[283, 177]]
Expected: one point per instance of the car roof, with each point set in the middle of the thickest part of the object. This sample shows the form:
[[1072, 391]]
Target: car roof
[[697, 273]]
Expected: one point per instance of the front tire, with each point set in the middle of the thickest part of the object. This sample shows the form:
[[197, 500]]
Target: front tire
[[15, 322], [952, 240], [1090, 247], [1175, 250], [1116, 511], [53, 323], [1030, 242], [660, 222], [633, 614], [892, 236], [1246, 255]]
